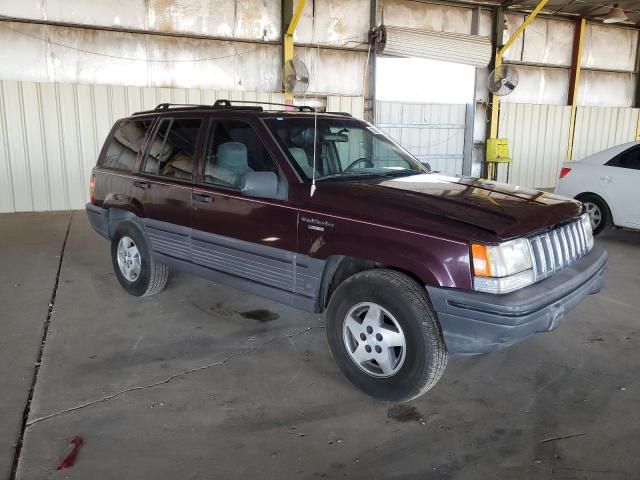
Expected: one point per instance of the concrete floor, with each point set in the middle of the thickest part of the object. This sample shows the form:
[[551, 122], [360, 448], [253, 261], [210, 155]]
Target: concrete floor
[[183, 386]]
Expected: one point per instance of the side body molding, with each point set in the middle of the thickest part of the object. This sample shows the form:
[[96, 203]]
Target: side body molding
[[279, 275]]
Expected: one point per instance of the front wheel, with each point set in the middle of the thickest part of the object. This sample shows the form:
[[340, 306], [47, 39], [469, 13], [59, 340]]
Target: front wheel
[[384, 335], [136, 271]]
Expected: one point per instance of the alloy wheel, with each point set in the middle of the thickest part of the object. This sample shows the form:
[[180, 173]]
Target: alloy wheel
[[129, 260], [594, 214], [374, 339]]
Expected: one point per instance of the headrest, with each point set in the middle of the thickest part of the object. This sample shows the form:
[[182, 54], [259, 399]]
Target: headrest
[[303, 137], [131, 135], [233, 157]]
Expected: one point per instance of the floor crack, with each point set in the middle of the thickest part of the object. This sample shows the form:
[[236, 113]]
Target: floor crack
[[172, 377], [43, 340]]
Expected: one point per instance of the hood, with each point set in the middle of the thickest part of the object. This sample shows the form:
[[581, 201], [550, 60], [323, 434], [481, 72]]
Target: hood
[[464, 207]]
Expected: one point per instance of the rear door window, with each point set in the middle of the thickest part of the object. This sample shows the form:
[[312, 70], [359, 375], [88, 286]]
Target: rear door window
[[172, 150], [126, 143], [629, 159]]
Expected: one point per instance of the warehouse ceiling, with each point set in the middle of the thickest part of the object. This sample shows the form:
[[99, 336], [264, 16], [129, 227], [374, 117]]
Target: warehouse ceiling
[[625, 12]]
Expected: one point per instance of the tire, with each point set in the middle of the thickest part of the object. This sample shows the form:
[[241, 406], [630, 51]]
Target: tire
[[594, 204], [140, 275], [405, 307]]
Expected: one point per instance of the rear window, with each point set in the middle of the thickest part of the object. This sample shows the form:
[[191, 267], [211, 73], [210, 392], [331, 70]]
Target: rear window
[[126, 143], [173, 147]]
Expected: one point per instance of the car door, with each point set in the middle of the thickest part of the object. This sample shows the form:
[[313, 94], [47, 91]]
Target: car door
[[249, 242], [164, 184], [621, 179]]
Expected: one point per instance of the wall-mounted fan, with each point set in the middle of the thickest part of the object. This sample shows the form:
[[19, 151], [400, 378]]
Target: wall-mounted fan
[[503, 80], [295, 76]]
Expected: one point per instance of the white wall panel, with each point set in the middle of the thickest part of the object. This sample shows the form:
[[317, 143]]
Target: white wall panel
[[606, 89], [42, 53], [433, 133], [545, 41], [242, 19], [538, 138], [51, 135], [540, 85], [334, 71], [335, 23], [598, 128], [609, 47], [426, 16], [352, 105]]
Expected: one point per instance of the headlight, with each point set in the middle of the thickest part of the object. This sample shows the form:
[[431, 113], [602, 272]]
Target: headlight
[[588, 230], [502, 268]]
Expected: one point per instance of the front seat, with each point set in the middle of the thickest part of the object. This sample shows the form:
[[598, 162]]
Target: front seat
[[231, 164]]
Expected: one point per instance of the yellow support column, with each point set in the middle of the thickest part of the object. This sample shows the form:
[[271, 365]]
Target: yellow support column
[[290, 19], [495, 100], [574, 81]]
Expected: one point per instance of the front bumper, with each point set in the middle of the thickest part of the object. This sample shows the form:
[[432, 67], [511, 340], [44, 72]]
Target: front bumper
[[475, 322]]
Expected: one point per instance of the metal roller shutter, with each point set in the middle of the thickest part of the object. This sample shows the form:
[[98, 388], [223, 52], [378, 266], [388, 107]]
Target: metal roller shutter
[[450, 47]]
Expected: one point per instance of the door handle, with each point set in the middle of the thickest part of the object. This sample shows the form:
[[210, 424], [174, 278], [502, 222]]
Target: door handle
[[141, 184], [607, 178], [201, 197]]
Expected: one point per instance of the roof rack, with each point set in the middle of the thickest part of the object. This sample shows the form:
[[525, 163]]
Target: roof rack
[[228, 104], [344, 114], [254, 106]]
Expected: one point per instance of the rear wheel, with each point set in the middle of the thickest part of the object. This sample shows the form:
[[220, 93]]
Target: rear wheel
[[384, 335], [598, 210], [136, 271]]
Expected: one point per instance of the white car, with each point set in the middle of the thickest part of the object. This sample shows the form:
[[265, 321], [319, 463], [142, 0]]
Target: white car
[[608, 184]]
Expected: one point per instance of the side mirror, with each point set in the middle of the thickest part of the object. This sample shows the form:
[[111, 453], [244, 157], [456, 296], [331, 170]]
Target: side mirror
[[260, 184], [427, 166]]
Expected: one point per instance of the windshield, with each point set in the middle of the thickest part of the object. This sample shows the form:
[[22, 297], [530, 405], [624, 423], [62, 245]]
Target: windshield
[[344, 147]]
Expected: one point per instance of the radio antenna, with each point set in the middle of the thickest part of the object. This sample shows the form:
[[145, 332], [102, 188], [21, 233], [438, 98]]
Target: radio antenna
[[315, 127]]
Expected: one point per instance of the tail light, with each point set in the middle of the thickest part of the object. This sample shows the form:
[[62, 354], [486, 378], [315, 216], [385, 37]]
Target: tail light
[[92, 188], [564, 171]]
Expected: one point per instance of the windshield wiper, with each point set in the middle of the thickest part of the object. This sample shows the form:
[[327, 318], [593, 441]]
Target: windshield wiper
[[347, 175], [390, 173], [401, 173]]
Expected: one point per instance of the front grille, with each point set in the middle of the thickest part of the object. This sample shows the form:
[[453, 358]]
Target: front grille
[[558, 248]]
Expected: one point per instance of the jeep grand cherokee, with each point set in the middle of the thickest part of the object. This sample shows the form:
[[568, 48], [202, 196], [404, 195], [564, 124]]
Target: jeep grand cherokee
[[325, 213]]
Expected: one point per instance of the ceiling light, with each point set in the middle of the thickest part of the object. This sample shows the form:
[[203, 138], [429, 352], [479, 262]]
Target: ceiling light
[[615, 15]]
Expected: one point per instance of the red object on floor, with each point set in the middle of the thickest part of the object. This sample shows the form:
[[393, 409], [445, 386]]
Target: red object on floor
[[70, 458]]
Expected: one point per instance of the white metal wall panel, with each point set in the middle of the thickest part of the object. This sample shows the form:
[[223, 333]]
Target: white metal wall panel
[[538, 138], [51, 134], [60, 54], [598, 128], [433, 133], [242, 19], [352, 105], [426, 16]]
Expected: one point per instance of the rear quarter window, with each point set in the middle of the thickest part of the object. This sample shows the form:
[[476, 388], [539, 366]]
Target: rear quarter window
[[125, 144]]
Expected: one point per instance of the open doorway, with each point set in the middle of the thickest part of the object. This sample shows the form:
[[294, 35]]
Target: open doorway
[[420, 80], [424, 105]]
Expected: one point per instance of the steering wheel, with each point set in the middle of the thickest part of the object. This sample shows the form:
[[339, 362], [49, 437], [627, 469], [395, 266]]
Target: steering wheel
[[360, 160]]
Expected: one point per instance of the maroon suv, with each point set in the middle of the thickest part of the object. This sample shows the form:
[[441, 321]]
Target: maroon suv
[[325, 212]]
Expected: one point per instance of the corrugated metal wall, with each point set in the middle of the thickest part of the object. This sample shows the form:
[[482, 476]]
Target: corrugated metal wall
[[433, 133], [352, 105], [538, 138], [598, 128], [51, 134]]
